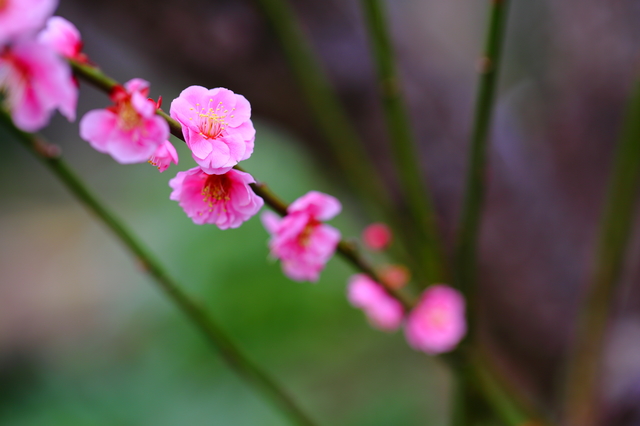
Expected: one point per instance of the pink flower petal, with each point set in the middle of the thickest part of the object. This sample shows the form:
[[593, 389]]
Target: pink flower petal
[[321, 206], [62, 36], [96, 127]]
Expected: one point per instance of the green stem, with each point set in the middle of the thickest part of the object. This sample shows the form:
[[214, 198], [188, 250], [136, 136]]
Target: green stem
[[416, 194], [49, 155], [581, 392], [466, 247]]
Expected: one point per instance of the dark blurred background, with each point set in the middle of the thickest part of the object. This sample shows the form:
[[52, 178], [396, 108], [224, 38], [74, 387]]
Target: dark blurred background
[[85, 339]]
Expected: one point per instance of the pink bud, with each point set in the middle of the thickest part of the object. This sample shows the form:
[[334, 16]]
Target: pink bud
[[395, 276], [377, 236]]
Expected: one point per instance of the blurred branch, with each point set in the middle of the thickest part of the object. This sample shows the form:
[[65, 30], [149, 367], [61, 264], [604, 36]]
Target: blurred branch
[[407, 161], [50, 156], [581, 405], [466, 247]]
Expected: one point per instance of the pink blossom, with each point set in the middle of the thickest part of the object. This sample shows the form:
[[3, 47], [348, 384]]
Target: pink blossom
[[36, 82], [302, 243], [23, 17], [216, 125], [226, 200], [63, 37], [164, 156], [384, 312], [437, 323], [377, 236], [129, 131]]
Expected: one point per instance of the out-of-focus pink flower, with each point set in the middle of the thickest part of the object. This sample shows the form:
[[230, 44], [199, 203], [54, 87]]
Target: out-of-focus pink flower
[[225, 200], [300, 240], [129, 131], [216, 124], [437, 323], [377, 236], [164, 156], [395, 276], [23, 17], [384, 312], [63, 37], [36, 82]]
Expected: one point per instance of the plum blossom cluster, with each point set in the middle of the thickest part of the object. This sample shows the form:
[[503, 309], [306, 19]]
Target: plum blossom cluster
[[34, 75], [36, 79]]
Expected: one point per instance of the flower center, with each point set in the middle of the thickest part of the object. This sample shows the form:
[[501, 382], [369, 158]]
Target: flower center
[[14, 75], [3, 5], [216, 188], [211, 121], [305, 236], [129, 117]]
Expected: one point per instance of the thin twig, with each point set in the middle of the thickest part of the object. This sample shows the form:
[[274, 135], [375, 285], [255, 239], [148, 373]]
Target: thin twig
[[191, 309]]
